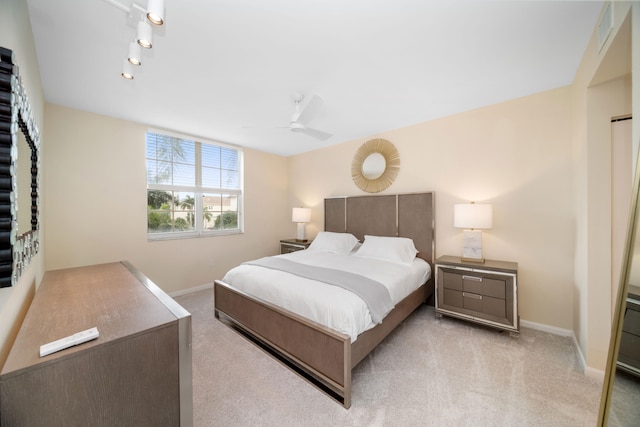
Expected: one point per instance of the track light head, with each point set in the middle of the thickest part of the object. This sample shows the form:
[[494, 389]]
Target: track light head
[[135, 54], [144, 36], [155, 12], [127, 70]]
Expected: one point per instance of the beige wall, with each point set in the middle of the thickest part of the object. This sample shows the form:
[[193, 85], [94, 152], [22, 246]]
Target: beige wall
[[96, 205], [515, 155], [15, 34]]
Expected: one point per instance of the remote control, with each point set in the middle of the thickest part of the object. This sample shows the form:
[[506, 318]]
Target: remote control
[[70, 341]]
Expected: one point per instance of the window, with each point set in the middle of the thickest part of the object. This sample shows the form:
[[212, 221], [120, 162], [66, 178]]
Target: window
[[194, 188]]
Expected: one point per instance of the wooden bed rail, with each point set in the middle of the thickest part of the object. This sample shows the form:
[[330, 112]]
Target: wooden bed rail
[[320, 355], [320, 352]]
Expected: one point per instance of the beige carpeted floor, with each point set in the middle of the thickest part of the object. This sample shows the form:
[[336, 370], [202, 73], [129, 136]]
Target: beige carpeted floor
[[435, 372]]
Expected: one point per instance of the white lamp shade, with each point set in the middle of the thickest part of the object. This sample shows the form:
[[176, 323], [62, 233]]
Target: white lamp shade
[[473, 216], [301, 215]]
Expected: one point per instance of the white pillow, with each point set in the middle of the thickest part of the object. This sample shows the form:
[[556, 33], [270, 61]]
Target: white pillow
[[396, 249], [339, 243]]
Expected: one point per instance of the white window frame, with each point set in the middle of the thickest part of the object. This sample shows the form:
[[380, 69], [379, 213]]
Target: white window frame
[[198, 191]]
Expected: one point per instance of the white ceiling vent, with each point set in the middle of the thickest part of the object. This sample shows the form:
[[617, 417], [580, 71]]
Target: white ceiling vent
[[605, 26]]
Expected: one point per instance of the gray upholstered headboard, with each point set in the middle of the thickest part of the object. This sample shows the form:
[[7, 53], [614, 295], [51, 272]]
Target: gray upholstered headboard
[[400, 215]]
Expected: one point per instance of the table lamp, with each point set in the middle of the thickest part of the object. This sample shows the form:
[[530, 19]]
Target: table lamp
[[473, 217], [301, 216]]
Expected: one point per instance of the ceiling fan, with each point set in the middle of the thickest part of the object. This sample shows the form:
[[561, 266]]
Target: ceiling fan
[[303, 115]]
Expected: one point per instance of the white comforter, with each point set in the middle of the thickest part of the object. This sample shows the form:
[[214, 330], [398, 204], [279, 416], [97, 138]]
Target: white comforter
[[329, 305]]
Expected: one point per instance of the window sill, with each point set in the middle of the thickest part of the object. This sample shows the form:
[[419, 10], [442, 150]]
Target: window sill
[[165, 236]]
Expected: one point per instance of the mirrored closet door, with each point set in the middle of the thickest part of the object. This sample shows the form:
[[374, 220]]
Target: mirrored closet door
[[620, 404]]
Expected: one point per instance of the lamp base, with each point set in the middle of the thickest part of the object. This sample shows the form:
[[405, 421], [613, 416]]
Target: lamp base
[[301, 235], [472, 249]]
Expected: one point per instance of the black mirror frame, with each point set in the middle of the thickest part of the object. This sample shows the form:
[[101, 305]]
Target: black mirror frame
[[16, 252]]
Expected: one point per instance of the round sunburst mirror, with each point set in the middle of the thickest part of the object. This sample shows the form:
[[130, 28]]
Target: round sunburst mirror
[[375, 165]]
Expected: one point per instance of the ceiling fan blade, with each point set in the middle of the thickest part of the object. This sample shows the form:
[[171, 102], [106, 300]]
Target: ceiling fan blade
[[311, 109], [317, 134]]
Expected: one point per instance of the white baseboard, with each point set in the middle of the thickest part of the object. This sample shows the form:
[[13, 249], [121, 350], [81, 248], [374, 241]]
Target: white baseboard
[[588, 371], [596, 374], [191, 290], [546, 328]]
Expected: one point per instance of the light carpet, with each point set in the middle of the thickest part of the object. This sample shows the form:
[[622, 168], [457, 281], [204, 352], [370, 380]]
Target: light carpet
[[430, 371]]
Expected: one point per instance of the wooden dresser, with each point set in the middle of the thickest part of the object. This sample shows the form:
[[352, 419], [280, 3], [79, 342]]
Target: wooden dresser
[[137, 372]]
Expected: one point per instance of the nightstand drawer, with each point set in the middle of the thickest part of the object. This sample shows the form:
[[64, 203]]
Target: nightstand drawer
[[287, 249], [291, 245], [631, 320], [478, 303], [452, 280], [483, 285], [629, 351], [453, 298], [474, 283], [493, 306]]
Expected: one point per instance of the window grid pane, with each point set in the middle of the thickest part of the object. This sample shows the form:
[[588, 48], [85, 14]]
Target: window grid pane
[[210, 155], [230, 179], [211, 177], [229, 159], [220, 211], [169, 211]]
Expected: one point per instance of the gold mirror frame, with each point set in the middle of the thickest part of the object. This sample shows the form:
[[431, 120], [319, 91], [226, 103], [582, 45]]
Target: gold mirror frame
[[392, 165], [621, 303]]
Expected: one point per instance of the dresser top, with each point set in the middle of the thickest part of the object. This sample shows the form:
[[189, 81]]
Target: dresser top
[[115, 298], [488, 264]]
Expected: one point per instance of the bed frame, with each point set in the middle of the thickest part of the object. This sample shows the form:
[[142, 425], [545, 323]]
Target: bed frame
[[324, 356]]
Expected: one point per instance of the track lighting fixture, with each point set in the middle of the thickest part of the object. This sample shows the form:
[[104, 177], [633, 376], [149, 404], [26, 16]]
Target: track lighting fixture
[[138, 17], [127, 70], [144, 36], [135, 54], [155, 12]]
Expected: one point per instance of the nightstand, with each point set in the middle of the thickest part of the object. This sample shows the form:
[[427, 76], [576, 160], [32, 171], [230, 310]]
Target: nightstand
[[629, 353], [484, 293], [293, 245]]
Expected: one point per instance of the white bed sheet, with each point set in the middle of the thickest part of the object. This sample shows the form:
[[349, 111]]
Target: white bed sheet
[[329, 305]]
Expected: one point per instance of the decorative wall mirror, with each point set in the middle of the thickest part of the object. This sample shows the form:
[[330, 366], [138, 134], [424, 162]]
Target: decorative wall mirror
[[19, 165], [621, 389], [375, 165]]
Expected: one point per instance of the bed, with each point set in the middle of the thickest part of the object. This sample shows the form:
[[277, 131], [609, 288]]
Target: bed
[[323, 355]]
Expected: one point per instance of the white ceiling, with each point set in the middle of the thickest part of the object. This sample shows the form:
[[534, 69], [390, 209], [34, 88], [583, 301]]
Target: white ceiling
[[226, 69]]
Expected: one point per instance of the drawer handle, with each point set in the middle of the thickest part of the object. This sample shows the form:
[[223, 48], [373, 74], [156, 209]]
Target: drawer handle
[[474, 278], [476, 296]]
